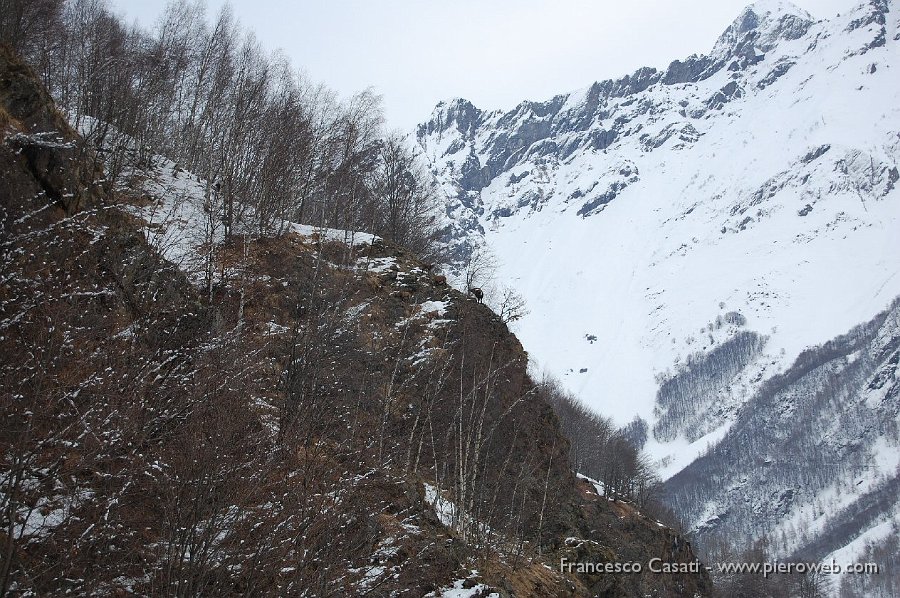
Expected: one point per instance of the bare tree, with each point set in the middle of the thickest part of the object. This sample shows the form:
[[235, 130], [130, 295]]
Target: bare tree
[[404, 199], [479, 268], [511, 305], [26, 25]]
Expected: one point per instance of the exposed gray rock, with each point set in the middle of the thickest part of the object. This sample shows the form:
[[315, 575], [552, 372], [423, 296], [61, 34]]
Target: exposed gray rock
[[876, 11], [781, 67], [816, 153], [691, 69], [730, 92]]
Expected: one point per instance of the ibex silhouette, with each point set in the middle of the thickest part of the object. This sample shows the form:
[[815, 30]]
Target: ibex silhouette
[[477, 293]]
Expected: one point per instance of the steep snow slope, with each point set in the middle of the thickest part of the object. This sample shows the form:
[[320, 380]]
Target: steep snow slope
[[759, 180]]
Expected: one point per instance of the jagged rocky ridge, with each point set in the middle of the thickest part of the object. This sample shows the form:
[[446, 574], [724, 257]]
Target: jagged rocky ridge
[[735, 177]]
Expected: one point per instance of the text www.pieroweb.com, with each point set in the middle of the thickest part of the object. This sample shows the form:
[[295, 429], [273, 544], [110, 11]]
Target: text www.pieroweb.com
[[757, 568]]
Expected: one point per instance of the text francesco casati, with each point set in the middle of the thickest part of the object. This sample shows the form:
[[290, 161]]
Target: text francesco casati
[[657, 565]]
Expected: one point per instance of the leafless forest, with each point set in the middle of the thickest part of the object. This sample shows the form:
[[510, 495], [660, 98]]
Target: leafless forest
[[300, 423]]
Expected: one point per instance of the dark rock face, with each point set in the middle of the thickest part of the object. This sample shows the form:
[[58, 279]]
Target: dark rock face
[[730, 92], [875, 14], [460, 114], [685, 133], [25, 100], [597, 204], [474, 176], [816, 153], [520, 132], [689, 70], [45, 143], [48, 158], [776, 73], [763, 30]]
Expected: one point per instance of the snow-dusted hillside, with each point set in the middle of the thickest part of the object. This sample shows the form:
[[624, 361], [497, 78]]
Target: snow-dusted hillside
[[812, 462], [757, 182]]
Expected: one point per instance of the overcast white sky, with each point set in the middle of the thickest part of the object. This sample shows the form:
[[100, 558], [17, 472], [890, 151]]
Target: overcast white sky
[[495, 53]]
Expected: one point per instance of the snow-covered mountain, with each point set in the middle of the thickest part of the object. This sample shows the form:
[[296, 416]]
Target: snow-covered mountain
[[683, 235], [758, 180]]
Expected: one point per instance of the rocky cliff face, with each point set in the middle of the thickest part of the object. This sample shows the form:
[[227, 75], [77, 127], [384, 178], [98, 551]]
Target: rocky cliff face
[[44, 143], [295, 428], [519, 158]]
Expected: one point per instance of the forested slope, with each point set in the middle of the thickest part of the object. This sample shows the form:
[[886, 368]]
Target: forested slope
[[811, 465], [312, 412]]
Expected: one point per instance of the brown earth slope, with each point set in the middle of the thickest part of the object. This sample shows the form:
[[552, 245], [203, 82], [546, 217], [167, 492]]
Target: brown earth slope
[[283, 435]]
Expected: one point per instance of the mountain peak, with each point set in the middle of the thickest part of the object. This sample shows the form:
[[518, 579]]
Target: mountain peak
[[776, 7], [766, 22]]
